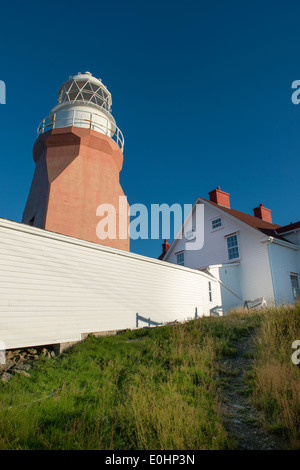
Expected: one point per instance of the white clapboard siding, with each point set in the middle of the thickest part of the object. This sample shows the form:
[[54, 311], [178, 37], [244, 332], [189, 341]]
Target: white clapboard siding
[[54, 288]]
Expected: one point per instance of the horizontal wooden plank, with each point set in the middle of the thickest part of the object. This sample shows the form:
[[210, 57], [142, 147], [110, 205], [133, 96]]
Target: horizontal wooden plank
[[55, 288]]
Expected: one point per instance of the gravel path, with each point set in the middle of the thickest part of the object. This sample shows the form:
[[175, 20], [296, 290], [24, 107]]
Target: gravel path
[[242, 420]]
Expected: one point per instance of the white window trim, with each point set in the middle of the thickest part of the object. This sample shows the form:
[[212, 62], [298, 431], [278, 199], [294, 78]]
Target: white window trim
[[233, 260], [217, 228], [297, 276], [210, 297], [179, 253]]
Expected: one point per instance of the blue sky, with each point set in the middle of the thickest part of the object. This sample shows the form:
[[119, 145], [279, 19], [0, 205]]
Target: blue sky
[[201, 91]]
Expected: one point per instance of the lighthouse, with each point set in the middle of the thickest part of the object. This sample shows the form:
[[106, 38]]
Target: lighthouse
[[78, 155]]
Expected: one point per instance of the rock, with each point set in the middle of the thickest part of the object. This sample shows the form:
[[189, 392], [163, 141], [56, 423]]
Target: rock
[[13, 354], [36, 357], [8, 365], [236, 421], [32, 351], [10, 354], [19, 358], [21, 372], [238, 407], [22, 366], [6, 377]]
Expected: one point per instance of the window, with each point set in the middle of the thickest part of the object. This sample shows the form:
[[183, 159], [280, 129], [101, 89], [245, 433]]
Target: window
[[209, 291], [180, 258], [232, 245], [216, 223], [295, 286]]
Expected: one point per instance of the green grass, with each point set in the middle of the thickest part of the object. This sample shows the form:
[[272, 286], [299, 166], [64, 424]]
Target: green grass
[[153, 389], [275, 380], [144, 389]]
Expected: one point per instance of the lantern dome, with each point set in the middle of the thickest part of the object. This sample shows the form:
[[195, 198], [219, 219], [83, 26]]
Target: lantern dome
[[84, 88], [83, 101]]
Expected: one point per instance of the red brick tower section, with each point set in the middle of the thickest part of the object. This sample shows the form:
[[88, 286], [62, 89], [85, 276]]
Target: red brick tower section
[[77, 169]]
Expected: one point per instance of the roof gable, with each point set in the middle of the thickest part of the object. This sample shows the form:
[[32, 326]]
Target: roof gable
[[289, 228], [266, 228]]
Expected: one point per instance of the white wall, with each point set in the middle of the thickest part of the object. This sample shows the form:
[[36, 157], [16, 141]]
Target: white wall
[[254, 272], [293, 237], [53, 288], [230, 288], [214, 250], [284, 261], [256, 279]]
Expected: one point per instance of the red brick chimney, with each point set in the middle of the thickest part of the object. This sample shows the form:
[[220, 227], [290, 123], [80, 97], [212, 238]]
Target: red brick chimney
[[263, 213], [219, 197], [165, 247]]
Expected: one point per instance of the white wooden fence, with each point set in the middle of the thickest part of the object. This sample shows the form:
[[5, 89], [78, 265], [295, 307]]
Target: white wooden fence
[[55, 288]]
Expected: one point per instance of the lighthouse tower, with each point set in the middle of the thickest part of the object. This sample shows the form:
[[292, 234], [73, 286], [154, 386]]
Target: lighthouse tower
[[78, 155]]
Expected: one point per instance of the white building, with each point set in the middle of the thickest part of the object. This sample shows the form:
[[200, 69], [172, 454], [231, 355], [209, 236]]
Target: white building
[[57, 289], [249, 255]]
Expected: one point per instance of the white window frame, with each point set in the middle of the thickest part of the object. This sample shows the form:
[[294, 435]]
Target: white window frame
[[219, 226], [209, 291], [179, 254], [295, 290], [236, 234]]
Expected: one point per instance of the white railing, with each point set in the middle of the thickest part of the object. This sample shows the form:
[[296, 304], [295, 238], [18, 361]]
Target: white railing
[[75, 119]]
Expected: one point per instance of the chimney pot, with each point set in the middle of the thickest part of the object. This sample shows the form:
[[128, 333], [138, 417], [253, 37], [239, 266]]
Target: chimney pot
[[165, 246], [263, 213], [219, 197]]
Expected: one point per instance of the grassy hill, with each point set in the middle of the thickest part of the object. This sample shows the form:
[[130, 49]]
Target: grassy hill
[[156, 389]]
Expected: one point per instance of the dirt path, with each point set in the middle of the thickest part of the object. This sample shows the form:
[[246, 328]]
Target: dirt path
[[242, 420]]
